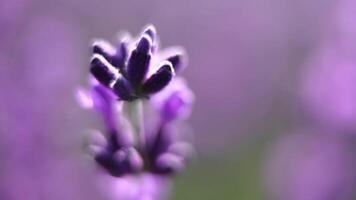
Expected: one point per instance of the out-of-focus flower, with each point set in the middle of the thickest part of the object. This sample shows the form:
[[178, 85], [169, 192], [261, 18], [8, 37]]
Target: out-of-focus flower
[[135, 69], [310, 165], [328, 88]]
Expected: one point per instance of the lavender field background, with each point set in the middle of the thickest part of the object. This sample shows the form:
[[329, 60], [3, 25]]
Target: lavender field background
[[274, 80]]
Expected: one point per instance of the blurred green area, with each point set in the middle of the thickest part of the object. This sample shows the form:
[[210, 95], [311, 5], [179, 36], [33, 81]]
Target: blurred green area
[[234, 176], [237, 174]]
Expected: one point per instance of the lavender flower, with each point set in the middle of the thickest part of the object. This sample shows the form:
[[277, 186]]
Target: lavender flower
[[122, 79], [135, 69]]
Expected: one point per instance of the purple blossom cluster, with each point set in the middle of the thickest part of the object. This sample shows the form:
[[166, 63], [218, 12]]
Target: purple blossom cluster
[[134, 69], [134, 87]]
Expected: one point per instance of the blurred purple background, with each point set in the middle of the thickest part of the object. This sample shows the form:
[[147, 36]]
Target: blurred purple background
[[259, 68]]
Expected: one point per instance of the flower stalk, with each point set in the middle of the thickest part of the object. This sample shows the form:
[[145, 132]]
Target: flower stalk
[[123, 79], [132, 111]]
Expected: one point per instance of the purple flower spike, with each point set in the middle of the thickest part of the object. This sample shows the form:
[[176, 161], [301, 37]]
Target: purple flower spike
[[136, 62], [159, 80], [139, 61], [102, 70], [141, 156]]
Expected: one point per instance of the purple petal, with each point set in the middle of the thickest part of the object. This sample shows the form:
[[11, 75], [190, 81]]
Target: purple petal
[[176, 61], [175, 101], [135, 160], [172, 107], [123, 89], [121, 55], [116, 57], [118, 163], [158, 143], [159, 80], [84, 98], [144, 44], [102, 70], [139, 61], [104, 49], [177, 56], [110, 164], [151, 31], [129, 159], [103, 100]]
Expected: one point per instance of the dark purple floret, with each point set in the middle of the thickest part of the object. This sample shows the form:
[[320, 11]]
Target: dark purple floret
[[116, 57], [159, 80], [123, 89], [102, 48], [118, 159], [163, 158], [151, 31], [133, 60], [177, 61], [121, 56], [119, 162], [139, 61], [100, 69]]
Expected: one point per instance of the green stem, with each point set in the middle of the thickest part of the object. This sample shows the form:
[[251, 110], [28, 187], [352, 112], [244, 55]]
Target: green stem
[[133, 112]]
